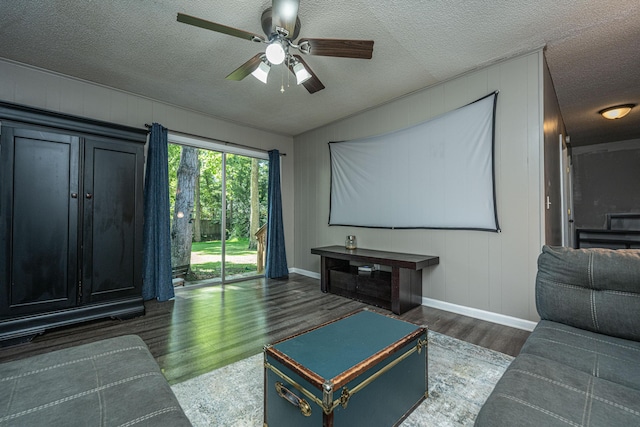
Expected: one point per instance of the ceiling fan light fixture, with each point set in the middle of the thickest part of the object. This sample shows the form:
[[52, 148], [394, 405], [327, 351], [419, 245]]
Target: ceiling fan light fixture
[[275, 52], [616, 112], [302, 75], [262, 72]]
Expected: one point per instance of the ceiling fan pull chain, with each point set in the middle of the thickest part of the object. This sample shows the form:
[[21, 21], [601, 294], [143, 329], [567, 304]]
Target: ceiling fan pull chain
[[282, 83]]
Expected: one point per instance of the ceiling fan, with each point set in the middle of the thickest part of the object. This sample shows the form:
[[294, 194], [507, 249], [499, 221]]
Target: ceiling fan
[[281, 25]]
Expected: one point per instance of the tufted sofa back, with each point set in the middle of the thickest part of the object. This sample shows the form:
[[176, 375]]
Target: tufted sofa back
[[593, 289]]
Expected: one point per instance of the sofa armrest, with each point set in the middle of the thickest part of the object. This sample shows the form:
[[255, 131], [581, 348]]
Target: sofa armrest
[[592, 289]]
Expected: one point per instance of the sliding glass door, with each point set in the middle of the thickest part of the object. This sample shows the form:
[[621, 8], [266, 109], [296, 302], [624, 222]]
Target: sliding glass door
[[246, 213], [218, 206]]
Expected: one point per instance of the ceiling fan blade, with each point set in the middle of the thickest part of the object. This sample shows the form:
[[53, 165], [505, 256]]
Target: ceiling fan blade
[[245, 69], [284, 15], [361, 49], [312, 85], [208, 25]]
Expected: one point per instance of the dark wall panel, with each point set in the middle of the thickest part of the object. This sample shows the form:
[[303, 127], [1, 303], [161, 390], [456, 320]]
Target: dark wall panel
[[605, 181]]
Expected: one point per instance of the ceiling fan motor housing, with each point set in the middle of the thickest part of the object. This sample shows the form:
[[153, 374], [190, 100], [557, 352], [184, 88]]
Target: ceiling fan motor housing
[[267, 26]]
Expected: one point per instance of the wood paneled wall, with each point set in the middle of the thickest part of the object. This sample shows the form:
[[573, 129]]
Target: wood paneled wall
[[26, 85], [493, 272]]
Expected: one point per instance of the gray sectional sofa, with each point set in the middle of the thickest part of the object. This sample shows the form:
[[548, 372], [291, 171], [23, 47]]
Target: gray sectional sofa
[[113, 382], [581, 364]]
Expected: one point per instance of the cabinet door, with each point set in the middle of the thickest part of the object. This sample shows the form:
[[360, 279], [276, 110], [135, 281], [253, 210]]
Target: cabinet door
[[112, 228], [39, 214]]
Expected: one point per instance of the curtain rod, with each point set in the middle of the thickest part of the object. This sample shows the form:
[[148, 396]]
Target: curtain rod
[[148, 126]]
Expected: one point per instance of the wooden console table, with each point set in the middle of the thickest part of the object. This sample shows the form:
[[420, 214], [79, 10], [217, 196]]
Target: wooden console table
[[398, 290]]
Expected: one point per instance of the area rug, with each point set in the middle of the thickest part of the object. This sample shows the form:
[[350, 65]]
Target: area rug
[[461, 377]]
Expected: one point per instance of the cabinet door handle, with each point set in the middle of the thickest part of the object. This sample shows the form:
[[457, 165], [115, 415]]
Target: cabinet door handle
[[89, 195], [74, 195]]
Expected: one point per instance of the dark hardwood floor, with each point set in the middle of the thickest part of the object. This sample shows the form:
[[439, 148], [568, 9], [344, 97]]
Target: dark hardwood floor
[[207, 327]]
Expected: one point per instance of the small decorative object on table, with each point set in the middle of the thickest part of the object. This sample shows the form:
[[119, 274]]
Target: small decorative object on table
[[350, 242]]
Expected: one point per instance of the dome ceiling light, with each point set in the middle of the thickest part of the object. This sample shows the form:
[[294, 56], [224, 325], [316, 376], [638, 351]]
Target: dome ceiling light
[[616, 112]]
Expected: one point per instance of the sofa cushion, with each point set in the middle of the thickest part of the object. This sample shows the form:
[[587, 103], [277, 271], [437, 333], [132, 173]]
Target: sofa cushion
[[113, 382], [536, 391], [592, 289], [602, 356]]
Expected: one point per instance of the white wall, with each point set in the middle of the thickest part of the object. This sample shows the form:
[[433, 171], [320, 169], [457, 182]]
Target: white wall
[[493, 272], [42, 89]]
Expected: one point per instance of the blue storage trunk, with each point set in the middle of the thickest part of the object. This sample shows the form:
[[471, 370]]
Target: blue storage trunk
[[365, 369]]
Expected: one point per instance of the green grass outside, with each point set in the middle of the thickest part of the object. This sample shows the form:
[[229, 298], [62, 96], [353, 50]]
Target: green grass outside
[[234, 247], [212, 270]]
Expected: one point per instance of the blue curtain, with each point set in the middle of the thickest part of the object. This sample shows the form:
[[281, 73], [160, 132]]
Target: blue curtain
[[156, 261], [276, 262]]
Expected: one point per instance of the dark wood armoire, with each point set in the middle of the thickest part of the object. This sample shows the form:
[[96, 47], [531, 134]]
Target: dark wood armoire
[[70, 221]]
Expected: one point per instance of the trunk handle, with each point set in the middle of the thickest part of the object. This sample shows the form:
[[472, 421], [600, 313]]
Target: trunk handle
[[298, 402]]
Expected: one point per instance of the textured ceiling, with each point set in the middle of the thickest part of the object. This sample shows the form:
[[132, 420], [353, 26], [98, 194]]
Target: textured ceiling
[[138, 46]]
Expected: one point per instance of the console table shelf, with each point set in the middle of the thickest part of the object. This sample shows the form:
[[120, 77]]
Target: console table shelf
[[398, 290]]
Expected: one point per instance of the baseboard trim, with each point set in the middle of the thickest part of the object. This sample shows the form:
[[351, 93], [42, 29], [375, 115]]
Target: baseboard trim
[[489, 316], [307, 273], [476, 313]]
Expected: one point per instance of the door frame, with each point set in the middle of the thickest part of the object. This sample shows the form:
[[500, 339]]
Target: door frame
[[224, 148], [566, 198]]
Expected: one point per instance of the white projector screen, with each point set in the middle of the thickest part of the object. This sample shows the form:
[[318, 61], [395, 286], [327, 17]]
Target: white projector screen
[[437, 174]]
